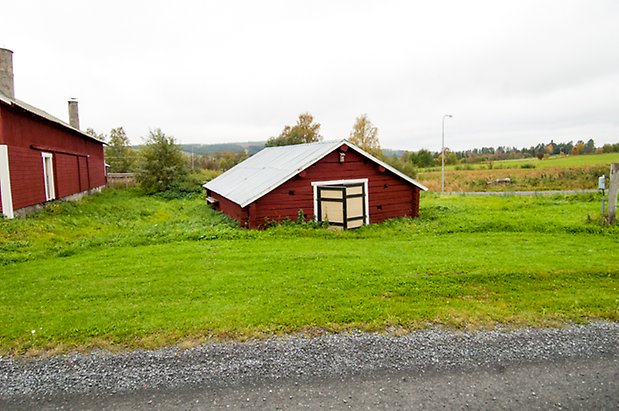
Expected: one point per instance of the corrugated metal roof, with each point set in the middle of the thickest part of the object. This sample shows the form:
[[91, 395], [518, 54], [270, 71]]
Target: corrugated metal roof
[[32, 109], [271, 167]]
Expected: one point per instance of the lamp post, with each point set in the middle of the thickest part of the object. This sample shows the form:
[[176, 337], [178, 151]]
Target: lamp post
[[443, 153]]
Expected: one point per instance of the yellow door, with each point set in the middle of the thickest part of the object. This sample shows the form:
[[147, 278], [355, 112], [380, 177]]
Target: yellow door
[[342, 205]]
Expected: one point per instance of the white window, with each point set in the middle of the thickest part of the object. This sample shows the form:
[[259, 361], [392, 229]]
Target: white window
[[342, 203], [48, 176]]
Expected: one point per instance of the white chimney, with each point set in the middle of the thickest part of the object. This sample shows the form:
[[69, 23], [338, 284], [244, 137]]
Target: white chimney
[[7, 85], [74, 118]]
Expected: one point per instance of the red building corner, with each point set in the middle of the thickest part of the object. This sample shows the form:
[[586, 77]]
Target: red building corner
[[42, 158]]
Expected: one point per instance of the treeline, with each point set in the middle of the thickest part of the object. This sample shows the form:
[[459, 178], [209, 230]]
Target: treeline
[[425, 158], [124, 158], [160, 166], [248, 148], [216, 161], [121, 157]]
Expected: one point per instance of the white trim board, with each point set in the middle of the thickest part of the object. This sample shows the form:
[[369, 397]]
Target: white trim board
[[48, 176], [365, 181], [5, 183]]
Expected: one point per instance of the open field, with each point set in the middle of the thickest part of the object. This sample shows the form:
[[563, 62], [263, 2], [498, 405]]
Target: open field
[[562, 161], [553, 173], [559, 161], [122, 270]]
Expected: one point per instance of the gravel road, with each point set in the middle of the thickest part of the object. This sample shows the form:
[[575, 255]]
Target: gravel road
[[572, 367]]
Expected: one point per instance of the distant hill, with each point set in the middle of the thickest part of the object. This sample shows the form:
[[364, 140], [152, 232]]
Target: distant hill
[[387, 152], [252, 147]]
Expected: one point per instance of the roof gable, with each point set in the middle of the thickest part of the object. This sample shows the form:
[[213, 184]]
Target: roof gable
[[271, 167]]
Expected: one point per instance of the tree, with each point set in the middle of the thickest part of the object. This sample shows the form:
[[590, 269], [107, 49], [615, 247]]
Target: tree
[[92, 132], [305, 131], [579, 148], [365, 135], [118, 154], [589, 147], [423, 158], [162, 165], [450, 157]]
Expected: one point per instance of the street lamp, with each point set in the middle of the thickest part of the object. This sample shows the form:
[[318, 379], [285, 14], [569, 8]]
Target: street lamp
[[443, 153]]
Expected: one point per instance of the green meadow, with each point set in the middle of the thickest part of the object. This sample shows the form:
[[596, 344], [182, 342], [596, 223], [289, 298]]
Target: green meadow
[[557, 161], [121, 270], [552, 173]]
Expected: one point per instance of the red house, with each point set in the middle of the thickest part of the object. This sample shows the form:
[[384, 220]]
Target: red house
[[41, 157], [332, 181]]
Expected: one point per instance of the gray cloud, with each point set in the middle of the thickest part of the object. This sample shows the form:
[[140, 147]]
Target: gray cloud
[[511, 73]]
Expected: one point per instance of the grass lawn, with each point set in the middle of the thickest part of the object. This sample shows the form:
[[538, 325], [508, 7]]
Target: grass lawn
[[121, 270], [563, 161]]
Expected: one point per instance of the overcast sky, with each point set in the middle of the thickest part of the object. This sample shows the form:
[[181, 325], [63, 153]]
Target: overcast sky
[[511, 73]]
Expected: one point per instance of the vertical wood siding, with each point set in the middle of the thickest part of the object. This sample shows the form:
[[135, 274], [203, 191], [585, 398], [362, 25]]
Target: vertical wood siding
[[27, 182], [66, 166], [72, 173], [231, 209]]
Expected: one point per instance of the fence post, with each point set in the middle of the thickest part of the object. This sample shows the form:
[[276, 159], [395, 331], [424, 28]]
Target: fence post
[[613, 189]]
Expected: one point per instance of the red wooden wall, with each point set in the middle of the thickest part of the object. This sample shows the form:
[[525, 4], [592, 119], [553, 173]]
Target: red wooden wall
[[389, 195], [231, 209], [78, 161]]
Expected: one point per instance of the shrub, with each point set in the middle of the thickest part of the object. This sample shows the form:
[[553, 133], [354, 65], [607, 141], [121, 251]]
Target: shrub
[[162, 166]]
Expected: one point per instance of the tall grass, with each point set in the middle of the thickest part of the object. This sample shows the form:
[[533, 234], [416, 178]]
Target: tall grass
[[113, 218], [522, 179], [121, 218]]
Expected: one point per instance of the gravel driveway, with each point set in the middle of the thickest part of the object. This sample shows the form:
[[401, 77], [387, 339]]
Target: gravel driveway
[[335, 371]]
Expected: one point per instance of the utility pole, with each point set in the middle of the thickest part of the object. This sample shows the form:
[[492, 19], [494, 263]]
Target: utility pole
[[613, 190]]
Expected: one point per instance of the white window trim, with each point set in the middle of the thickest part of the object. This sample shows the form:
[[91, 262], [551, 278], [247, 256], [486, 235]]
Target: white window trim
[[48, 196], [5, 183], [316, 184]]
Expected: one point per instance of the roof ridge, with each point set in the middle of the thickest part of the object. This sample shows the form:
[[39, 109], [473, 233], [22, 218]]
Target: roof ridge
[[268, 169], [44, 114]]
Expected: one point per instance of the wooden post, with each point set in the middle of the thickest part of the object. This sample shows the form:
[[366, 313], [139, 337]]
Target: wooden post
[[613, 190]]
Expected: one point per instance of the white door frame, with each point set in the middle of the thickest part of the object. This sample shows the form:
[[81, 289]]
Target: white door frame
[[5, 183], [48, 176], [316, 184]]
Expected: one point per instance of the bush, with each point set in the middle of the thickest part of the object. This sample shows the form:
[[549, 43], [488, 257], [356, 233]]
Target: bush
[[189, 186], [162, 166], [405, 167]]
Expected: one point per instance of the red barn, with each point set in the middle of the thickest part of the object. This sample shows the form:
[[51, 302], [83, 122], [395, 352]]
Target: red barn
[[332, 181], [41, 157]]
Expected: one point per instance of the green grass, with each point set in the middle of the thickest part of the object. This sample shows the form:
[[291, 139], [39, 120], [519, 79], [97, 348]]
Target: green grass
[[121, 270], [562, 161], [558, 161], [553, 173]]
